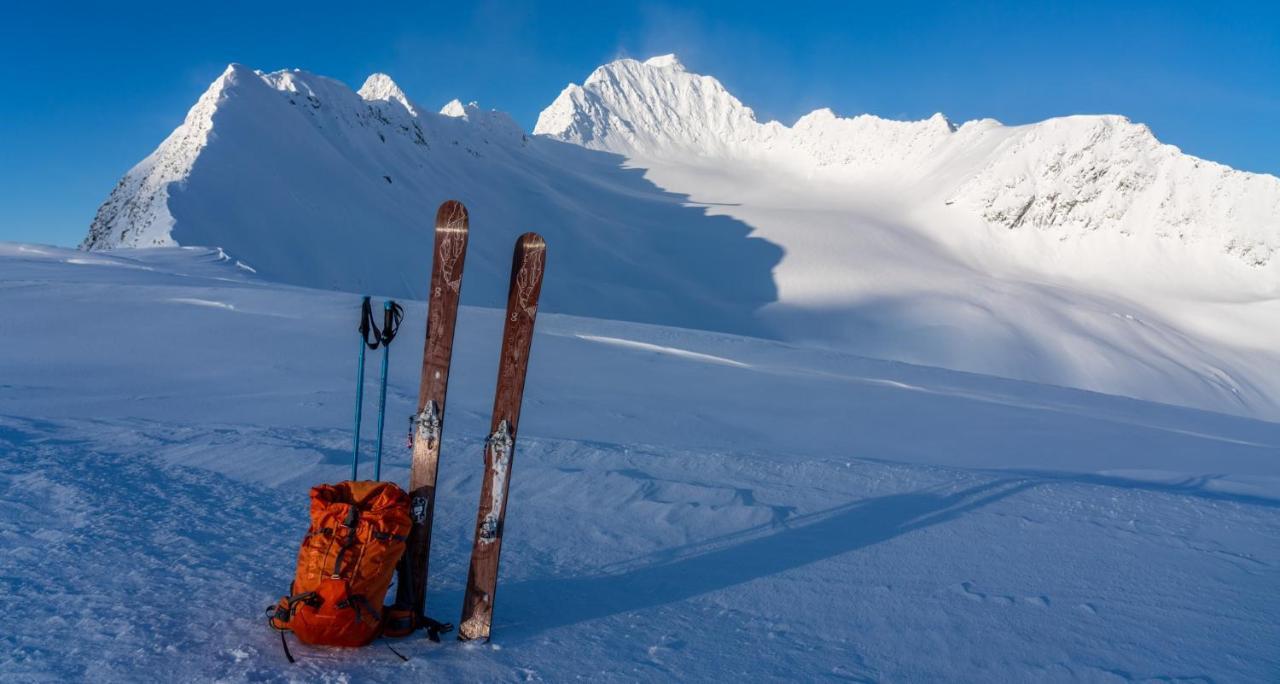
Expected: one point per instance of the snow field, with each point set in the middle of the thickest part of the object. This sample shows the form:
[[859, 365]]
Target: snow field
[[685, 505]]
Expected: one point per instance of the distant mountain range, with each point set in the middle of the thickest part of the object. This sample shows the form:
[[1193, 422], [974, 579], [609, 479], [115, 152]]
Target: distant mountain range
[[1078, 251]]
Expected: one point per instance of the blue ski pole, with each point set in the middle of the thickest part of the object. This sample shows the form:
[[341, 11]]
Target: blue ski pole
[[392, 314]]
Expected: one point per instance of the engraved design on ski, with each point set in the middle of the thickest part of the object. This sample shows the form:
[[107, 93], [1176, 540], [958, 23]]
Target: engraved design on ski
[[451, 247], [527, 280], [499, 444]]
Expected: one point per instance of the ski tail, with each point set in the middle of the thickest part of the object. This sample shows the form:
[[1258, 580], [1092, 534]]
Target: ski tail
[[527, 268]]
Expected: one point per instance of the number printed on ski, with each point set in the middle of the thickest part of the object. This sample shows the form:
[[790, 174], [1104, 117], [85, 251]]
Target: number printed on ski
[[428, 424], [522, 308]]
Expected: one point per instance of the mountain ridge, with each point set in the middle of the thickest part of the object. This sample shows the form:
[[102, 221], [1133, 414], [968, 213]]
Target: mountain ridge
[[1026, 252], [1072, 174]]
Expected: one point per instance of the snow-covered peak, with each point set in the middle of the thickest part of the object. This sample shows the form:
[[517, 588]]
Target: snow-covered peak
[[491, 121], [657, 109], [650, 108], [914, 240], [454, 109], [288, 118], [380, 88], [1062, 179]]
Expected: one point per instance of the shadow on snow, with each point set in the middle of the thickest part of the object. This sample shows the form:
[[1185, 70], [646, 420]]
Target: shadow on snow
[[685, 572]]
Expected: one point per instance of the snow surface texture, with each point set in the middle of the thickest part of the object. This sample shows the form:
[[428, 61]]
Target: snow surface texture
[[685, 505], [1079, 251]]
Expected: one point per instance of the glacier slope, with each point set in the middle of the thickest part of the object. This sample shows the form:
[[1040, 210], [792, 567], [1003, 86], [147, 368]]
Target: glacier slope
[[688, 504]]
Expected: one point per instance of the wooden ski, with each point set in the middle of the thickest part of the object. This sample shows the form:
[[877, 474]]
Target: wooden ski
[[428, 424], [522, 307]]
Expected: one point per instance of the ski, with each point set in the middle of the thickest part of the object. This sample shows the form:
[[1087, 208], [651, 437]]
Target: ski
[[522, 307], [427, 425]]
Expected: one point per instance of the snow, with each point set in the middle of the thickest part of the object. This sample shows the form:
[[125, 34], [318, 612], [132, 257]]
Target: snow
[[454, 109], [685, 504], [1079, 251], [380, 88], [852, 399]]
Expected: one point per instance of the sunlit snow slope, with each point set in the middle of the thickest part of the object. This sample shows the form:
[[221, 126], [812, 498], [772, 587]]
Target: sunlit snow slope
[[685, 505], [1078, 251]]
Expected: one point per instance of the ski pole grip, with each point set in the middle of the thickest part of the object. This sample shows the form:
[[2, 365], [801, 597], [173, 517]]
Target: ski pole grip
[[388, 315]]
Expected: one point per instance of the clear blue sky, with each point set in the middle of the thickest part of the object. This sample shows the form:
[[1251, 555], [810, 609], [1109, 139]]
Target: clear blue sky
[[87, 91]]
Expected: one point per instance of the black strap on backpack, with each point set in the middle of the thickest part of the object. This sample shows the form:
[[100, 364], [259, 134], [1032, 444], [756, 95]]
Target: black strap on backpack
[[280, 613], [285, 645]]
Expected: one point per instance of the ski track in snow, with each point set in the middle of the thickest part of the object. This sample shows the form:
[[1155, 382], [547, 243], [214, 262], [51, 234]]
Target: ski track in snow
[[791, 515]]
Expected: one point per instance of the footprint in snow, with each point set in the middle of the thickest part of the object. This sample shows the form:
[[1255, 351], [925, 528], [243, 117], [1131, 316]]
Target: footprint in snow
[[966, 589]]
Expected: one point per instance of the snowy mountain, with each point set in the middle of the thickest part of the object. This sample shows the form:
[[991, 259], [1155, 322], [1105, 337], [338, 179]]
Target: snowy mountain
[[1078, 251], [691, 503], [308, 182], [1065, 177]]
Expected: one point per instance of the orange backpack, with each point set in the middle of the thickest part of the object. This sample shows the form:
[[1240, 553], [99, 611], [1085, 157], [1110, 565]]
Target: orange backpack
[[356, 538]]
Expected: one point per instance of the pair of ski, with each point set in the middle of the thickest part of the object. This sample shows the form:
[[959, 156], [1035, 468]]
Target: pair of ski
[[428, 424]]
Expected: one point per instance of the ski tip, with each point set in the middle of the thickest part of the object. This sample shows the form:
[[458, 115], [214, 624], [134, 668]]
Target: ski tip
[[452, 215], [531, 240]]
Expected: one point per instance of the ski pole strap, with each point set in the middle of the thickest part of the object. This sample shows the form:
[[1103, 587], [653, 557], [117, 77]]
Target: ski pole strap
[[392, 314], [368, 329]]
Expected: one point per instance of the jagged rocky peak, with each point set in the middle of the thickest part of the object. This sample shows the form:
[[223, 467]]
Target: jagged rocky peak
[[380, 88]]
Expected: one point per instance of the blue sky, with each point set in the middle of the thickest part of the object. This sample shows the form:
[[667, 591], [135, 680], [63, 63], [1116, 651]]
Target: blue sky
[[90, 90]]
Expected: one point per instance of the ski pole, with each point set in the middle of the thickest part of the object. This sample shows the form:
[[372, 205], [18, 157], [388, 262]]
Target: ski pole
[[366, 326], [392, 314]]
